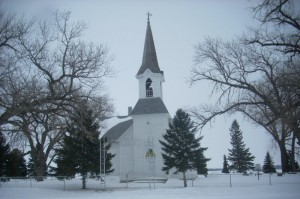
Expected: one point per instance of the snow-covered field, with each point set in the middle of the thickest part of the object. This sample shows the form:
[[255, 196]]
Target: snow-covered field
[[210, 187]]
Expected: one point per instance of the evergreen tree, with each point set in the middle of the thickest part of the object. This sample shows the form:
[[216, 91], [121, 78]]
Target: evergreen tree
[[200, 160], [239, 156], [268, 166], [225, 165], [291, 166], [16, 164], [106, 157], [297, 167], [181, 150], [4, 152], [80, 152]]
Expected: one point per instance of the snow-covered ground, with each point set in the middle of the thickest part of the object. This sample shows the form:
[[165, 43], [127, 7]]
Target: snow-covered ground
[[210, 187]]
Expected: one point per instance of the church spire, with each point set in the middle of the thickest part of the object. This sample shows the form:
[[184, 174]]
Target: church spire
[[149, 56]]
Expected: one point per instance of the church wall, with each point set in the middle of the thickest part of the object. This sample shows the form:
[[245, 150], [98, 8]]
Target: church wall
[[115, 149], [124, 160], [148, 130]]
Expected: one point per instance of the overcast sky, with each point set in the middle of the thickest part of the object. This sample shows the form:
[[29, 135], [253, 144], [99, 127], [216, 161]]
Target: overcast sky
[[177, 26]]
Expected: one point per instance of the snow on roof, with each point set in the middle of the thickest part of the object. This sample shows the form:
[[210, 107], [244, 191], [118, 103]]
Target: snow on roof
[[112, 122]]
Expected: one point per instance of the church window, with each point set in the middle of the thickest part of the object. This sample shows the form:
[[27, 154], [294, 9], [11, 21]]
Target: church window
[[150, 154], [149, 88]]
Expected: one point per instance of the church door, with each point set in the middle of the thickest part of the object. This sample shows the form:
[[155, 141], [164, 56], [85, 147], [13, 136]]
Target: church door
[[151, 162]]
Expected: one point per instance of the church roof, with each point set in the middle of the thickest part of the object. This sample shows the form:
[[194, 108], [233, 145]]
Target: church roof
[[149, 56], [150, 105], [117, 127]]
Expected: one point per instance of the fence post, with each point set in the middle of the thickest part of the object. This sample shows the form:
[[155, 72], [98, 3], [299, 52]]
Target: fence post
[[270, 179], [230, 180], [30, 182], [64, 183]]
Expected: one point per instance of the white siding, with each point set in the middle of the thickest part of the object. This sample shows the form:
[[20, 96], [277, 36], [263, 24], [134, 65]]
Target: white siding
[[148, 126], [156, 78], [124, 160]]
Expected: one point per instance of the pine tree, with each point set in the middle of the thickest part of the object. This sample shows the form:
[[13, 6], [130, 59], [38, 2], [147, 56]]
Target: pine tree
[[268, 166], [106, 157], [4, 152], [291, 167], [181, 150], [225, 165], [16, 165], [201, 160], [81, 149], [239, 156]]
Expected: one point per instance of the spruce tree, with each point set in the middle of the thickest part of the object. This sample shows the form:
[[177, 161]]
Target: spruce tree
[[291, 166], [4, 152], [201, 160], [239, 156], [16, 164], [106, 157], [80, 152], [268, 166], [181, 150], [225, 165]]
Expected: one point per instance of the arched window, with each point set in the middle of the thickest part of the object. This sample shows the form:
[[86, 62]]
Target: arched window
[[150, 154], [149, 88], [150, 162]]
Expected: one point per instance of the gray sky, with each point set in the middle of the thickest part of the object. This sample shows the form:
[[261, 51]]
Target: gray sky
[[177, 26]]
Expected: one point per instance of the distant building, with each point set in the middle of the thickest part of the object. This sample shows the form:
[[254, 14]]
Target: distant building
[[135, 138]]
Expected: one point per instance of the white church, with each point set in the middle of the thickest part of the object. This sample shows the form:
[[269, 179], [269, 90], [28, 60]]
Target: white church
[[135, 138]]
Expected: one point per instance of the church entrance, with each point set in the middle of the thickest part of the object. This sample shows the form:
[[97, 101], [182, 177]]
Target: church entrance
[[151, 162]]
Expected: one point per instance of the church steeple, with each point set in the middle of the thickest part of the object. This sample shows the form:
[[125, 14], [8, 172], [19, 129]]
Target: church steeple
[[149, 75], [149, 57]]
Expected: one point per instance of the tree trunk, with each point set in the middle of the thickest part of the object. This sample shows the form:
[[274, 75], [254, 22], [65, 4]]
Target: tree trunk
[[40, 173], [84, 182], [184, 180], [39, 168], [283, 154], [38, 158]]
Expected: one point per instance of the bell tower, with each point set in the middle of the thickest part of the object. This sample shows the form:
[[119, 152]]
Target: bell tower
[[149, 75]]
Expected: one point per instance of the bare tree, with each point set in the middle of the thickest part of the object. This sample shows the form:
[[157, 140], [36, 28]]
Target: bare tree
[[50, 72], [43, 132], [236, 71], [53, 64], [278, 129], [12, 28], [249, 79], [280, 28], [257, 74]]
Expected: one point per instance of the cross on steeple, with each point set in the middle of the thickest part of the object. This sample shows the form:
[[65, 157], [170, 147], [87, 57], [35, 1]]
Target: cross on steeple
[[149, 14]]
